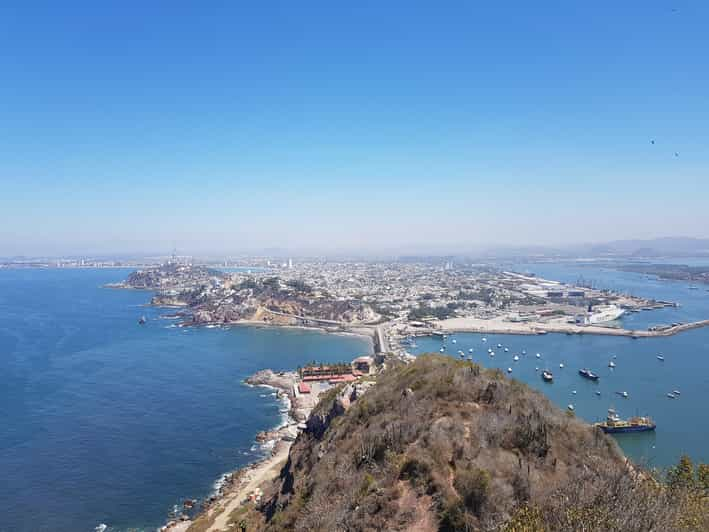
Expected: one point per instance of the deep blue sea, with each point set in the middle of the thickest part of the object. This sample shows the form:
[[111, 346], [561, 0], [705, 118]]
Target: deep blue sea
[[106, 421], [682, 423]]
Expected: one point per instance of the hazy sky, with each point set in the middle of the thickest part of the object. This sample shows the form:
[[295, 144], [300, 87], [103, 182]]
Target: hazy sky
[[227, 126]]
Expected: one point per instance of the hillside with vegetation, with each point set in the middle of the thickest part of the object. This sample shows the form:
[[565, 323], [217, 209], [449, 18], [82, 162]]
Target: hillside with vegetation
[[442, 444]]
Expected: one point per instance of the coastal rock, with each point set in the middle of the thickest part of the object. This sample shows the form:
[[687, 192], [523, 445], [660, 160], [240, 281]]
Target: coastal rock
[[283, 381]]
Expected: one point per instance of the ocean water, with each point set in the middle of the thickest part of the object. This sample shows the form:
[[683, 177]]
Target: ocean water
[[682, 423], [106, 421]]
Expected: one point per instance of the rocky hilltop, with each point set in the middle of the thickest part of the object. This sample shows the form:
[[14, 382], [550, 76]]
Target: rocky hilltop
[[441, 444], [171, 276]]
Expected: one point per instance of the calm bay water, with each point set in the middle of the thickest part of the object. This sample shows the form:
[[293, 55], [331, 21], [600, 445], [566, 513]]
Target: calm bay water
[[108, 421], [682, 423]]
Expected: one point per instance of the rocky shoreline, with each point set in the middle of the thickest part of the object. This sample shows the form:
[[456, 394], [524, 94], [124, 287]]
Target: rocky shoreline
[[245, 483], [280, 438]]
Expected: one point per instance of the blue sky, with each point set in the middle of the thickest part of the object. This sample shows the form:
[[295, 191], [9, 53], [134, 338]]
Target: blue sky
[[377, 126]]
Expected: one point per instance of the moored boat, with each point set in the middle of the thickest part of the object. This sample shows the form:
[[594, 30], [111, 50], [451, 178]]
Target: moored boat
[[588, 374], [614, 424], [547, 376]]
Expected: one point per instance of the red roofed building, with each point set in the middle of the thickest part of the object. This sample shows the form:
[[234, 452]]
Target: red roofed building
[[303, 387]]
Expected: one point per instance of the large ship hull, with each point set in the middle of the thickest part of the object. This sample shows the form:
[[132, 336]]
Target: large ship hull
[[618, 430]]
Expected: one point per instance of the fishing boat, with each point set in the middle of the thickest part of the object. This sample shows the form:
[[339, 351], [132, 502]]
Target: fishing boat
[[499, 346], [570, 407], [470, 350], [547, 376], [515, 358], [611, 364], [588, 374], [598, 393], [484, 339], [660, 358], [442, 349], [507, 349], [561, 365], [509, 370], [671, 395], [538, 355], [143, 320], [623, 394], [676, 392], [614, 424]]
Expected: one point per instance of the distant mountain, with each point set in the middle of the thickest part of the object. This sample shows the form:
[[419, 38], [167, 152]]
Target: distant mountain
[[658, 247]]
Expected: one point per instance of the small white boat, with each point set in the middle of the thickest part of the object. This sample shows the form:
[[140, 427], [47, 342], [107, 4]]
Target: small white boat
[[538, 355], [101, 528], [676, 392], [671, 395], [507, 350], [470, 350], [536, 368], [573, 392], [623, 394], [598, 393], [499, 346], [489, 350], [611, 364], [492, 353], [515, 358], [660, 357], [484, 339], [570, 407], [524, 351], [509, 370], [442, 349], [454, 341], [561, 365]]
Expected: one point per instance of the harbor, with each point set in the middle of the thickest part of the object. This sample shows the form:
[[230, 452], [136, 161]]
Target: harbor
[[663, 373]]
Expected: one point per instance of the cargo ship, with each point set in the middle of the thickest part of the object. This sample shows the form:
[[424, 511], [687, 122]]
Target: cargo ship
[[614, 424]]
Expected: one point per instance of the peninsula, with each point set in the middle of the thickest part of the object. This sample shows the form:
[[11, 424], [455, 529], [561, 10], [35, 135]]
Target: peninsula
[[392, 301]]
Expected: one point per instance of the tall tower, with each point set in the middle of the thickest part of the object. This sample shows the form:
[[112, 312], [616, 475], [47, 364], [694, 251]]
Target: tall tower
[[290, 264]]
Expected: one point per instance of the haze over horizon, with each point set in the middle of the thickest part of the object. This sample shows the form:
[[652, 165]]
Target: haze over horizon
[[405, 126]]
